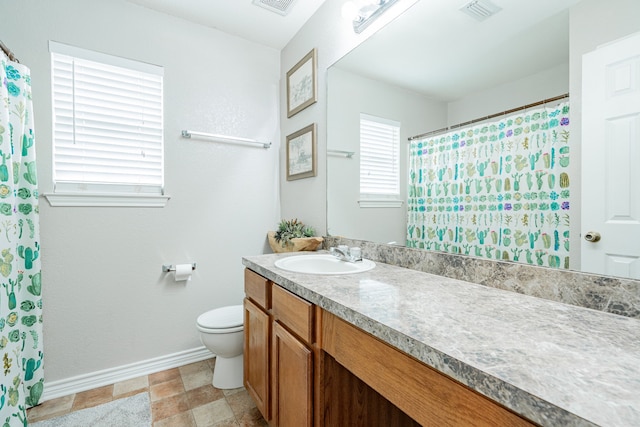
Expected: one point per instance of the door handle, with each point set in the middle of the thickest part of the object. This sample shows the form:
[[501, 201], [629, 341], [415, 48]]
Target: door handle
[[592, 236]]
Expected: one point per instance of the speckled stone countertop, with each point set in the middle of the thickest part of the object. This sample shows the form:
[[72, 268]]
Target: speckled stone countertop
[[553, 363]]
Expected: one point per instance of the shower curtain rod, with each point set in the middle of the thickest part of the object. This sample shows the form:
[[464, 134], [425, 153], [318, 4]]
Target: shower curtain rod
[[480, 119], [8, 52]]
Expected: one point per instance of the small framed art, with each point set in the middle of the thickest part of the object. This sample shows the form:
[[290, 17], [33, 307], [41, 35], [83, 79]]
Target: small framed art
[[302, 84], [301, 153]]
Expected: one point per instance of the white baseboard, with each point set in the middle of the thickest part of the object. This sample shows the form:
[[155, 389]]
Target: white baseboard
[[60, 388]]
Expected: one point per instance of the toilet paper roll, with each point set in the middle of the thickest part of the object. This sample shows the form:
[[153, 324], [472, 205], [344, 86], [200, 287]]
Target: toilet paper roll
[[183, 272]]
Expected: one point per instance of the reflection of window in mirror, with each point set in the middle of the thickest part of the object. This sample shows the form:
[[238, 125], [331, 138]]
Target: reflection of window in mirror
[[379, 162]]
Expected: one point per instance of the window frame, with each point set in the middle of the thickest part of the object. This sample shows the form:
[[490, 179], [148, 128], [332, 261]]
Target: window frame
[[68, 193], [381, 200]]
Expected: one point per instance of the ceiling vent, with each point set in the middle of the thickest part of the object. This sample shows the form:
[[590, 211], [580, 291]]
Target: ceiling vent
[[281, 7], [480, 9]]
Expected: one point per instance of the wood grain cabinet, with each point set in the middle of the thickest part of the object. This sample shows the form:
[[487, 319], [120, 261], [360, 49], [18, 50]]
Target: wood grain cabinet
[[306, 367], [278, 354], [423, 395], [257, 341], [292, 370]]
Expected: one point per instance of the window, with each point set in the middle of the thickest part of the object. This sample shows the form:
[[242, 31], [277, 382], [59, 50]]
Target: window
[[107, 130], [379, 162]]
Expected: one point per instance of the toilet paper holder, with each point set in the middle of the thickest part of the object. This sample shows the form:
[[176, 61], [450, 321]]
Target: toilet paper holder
[[167, 268]]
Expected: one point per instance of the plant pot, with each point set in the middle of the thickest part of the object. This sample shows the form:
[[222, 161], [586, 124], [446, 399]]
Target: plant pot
[[295, 245]]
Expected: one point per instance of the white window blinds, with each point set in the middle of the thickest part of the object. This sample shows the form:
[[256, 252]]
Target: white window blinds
[[379, 157], [107, 123]]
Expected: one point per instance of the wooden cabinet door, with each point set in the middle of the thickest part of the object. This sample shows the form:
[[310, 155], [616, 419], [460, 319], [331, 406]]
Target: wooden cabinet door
[[257, 326], [292, 374]]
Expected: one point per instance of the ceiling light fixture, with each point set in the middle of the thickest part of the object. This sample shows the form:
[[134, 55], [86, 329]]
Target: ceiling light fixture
[[368, 12]]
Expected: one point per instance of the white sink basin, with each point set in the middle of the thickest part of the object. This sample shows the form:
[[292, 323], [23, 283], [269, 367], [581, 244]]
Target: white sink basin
[[323, 264]]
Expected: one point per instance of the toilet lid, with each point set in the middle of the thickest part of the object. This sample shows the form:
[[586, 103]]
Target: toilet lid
[[220, 318]]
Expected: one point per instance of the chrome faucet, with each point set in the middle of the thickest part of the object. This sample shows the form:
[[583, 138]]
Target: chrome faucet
[[344, 253]]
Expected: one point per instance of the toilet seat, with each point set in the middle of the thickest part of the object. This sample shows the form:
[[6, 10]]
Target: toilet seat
[[222, 320], [220, 330]]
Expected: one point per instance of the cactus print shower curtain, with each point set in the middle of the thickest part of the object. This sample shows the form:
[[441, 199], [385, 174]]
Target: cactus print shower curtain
[[497, 190], [22, 379]]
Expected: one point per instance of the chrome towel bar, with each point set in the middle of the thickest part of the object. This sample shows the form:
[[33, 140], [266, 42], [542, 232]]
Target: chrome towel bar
[[224, 138], [341, 153]]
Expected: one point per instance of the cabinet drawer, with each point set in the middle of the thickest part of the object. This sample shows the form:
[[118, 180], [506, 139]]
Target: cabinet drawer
[[293, 311], [257, 288]]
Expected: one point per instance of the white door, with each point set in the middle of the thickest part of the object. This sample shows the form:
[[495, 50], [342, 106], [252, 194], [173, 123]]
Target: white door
[[611, 159]]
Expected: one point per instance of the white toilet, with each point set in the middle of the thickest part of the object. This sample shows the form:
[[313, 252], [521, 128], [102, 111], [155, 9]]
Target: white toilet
[[222, 332]]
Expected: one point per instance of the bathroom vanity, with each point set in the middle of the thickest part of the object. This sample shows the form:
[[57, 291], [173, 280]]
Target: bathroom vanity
[[398, 347]]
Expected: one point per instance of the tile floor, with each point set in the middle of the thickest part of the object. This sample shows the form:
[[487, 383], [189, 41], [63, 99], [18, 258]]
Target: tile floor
[[180, 397]]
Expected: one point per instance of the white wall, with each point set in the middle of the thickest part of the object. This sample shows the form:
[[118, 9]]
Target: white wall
[[543, 85], [106, 301], [349, 95], [332, 36]]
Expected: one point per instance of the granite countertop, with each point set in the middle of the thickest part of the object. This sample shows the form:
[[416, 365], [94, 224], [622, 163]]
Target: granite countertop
[[553, 363]]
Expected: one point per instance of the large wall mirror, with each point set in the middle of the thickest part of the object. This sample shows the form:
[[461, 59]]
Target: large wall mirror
[[435, 66]]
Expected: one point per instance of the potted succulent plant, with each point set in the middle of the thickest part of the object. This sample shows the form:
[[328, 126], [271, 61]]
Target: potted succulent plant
[[292, 235]]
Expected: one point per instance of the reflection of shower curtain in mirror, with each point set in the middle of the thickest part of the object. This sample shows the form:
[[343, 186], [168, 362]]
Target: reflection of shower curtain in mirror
[[498, 189], [21, 384]]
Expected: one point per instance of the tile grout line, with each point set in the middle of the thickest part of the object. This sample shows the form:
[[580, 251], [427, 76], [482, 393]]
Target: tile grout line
[[194, 391]]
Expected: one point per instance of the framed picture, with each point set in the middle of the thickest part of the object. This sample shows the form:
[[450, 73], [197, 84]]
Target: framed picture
[[301, 84], [301, 153]]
